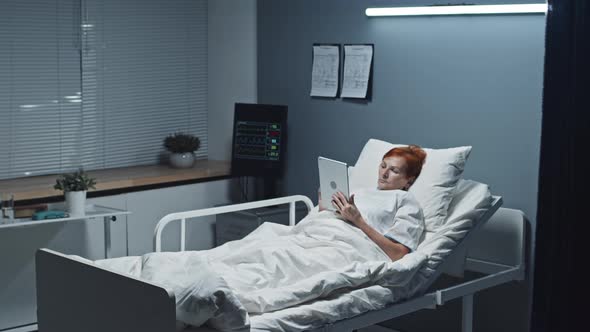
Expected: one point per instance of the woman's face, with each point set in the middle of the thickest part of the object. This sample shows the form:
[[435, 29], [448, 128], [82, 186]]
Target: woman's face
[[392, 174]]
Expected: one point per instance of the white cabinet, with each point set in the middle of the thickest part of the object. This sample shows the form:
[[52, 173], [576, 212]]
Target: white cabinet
[[20, 240]]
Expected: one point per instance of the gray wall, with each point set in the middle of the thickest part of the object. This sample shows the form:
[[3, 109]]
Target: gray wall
[[437, 82], [232, 68]]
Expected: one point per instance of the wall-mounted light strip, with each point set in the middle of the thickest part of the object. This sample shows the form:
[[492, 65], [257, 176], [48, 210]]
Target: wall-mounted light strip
[[458, 10]]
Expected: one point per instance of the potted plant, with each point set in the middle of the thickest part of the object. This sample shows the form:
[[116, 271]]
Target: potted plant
[[75, 185], [182, 148]]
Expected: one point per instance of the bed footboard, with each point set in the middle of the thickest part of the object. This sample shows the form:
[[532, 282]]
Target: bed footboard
[[73, 296]]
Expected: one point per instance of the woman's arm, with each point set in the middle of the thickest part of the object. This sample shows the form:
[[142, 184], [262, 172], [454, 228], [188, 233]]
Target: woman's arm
[[349, 211], [392, 248]]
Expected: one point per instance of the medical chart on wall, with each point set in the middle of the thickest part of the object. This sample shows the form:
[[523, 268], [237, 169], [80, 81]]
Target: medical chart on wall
[[325, 71], [357, 70]]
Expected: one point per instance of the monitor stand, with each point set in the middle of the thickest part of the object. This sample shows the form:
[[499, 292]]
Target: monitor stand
[[266, 187]]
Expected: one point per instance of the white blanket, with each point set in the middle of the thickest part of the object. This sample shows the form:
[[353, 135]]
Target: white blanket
[[274, 268]]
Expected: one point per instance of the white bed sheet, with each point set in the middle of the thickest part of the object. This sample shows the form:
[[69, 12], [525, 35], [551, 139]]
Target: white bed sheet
[[472, 199], [357, 275], [273, 268]]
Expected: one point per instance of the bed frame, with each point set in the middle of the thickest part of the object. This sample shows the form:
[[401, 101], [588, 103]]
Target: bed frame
[[73, 295]]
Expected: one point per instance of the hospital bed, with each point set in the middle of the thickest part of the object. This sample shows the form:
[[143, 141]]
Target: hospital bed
[[73, 294]]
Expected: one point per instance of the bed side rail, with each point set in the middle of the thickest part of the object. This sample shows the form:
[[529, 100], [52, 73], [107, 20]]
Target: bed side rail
[[183, 216], [486, 255], [476, 285], [73, 296], [497, 250], [457, 251]]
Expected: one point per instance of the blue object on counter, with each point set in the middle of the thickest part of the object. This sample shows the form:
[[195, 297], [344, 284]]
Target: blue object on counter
[[50, 214]]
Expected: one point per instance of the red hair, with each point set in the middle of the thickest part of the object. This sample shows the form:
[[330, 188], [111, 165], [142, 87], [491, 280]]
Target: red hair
[[414, 156]]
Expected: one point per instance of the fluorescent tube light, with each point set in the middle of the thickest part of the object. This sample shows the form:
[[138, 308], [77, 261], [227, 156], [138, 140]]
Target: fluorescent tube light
[[458, 10]]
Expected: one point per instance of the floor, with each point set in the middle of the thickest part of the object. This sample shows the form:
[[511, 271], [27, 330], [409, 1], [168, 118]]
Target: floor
[[366, 329], [376, 328]]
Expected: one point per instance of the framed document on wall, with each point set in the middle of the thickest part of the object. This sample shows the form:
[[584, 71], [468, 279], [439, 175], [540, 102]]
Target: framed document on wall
[[325, 73], [358, 68]]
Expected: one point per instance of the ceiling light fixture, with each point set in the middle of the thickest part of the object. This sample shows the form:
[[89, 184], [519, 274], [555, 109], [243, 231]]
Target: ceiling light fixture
[[540, 8]]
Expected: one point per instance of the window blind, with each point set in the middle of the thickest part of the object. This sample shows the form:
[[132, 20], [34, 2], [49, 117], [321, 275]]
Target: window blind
[[99, 83], [144, 77], [40, 86]]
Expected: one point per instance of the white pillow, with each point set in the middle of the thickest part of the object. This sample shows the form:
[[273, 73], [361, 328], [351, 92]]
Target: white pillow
[[433, 188]]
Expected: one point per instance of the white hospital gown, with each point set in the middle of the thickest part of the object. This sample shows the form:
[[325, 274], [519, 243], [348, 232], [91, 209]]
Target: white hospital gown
[[394, 213]]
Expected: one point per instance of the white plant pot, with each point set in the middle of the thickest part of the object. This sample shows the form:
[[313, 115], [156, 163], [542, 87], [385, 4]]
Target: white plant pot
[[76, 203], [182, 160]]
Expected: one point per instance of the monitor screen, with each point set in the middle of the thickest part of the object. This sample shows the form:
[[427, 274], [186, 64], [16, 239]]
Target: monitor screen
[[259, 139]]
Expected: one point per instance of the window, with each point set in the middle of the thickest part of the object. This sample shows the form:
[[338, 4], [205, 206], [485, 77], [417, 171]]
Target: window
[[99, 83], [39, 87]]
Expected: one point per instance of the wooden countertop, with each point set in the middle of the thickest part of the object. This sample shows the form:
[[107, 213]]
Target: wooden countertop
[[119, 180]]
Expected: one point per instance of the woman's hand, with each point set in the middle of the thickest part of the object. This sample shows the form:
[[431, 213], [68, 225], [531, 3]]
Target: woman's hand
[[346, 208]]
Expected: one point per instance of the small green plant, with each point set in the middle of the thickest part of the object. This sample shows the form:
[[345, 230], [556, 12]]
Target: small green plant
[[77, 181], [182, 143]]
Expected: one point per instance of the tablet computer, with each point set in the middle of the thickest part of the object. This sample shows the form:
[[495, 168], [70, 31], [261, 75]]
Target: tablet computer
[[333, 178]]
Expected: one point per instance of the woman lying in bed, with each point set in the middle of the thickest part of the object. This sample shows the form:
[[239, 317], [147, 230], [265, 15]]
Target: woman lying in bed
[[278, 267], [395, 221]]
